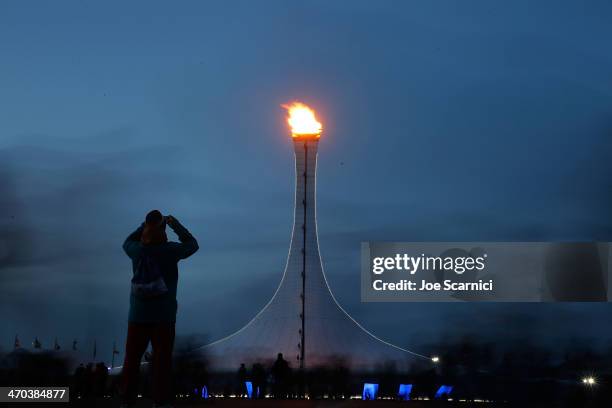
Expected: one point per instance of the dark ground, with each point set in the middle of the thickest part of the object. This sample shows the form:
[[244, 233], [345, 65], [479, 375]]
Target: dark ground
[[268, 403], [525, 378]]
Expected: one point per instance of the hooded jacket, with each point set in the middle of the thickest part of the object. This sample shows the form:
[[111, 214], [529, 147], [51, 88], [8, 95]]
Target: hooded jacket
[[161, 308]]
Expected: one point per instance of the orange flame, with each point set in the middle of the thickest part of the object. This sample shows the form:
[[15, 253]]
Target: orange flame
[[302, 121]]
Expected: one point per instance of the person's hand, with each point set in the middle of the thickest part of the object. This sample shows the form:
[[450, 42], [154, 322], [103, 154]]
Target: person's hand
[[170, 220]]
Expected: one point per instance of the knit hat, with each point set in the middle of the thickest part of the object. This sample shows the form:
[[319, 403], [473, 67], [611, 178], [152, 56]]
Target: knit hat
[[154, 231]]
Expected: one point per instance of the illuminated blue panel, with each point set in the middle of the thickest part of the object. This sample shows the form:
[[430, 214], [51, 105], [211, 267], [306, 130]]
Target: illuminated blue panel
[[404, 392], [444, 390], [204, 392], [249, 387], [369, 391]]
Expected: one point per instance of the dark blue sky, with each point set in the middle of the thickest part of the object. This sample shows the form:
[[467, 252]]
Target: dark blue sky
[[443, 120]]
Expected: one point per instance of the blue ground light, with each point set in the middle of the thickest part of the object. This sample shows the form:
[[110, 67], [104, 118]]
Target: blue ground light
[[444, 390], [404, 392], [369, 391], [249, 388], [204, 393]]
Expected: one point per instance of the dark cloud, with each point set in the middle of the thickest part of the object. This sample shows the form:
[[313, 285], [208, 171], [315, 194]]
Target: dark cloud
[[15, 239]]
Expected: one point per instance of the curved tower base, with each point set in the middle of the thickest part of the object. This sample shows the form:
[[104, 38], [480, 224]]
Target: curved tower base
[[303, 320]]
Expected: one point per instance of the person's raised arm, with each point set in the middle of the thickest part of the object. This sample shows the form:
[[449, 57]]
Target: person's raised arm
[[132, 242], [188, 244]]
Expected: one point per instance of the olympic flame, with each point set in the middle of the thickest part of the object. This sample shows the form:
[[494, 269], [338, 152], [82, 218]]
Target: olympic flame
[[302, 121]]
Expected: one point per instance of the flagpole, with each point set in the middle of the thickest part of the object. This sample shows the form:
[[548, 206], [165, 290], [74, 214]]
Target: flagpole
[[113, 358]]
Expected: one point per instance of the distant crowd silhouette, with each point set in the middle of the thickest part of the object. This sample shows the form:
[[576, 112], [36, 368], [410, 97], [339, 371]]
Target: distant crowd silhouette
[[279, 377], [91, 381]]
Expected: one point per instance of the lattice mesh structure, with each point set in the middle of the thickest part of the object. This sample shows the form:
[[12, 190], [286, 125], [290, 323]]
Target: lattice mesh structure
[[303, 320]]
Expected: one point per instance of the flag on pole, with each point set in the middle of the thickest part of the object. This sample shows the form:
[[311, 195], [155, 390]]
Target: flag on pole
[[17, 343], [115, 351]]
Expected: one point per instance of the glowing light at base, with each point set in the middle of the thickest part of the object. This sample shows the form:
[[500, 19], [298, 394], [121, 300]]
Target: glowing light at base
[[404, 392], [303, 121], [369, 392], [589, 381], [444, 390], [252, 392]]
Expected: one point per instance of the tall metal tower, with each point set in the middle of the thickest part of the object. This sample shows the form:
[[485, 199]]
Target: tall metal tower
[[303, 320], [307, 240]]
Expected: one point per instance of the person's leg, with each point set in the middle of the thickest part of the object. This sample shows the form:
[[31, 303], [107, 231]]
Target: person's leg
[[137, 341], [163, 343]]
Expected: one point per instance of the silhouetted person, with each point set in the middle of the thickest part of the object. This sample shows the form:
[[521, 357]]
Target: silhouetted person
[[153, 303], [241, 378], [79, 380], [281, 373], [259, 380], [88, 380], [100, 377]]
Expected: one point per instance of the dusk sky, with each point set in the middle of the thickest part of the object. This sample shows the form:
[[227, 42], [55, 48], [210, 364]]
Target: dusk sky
[[443, 121]]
